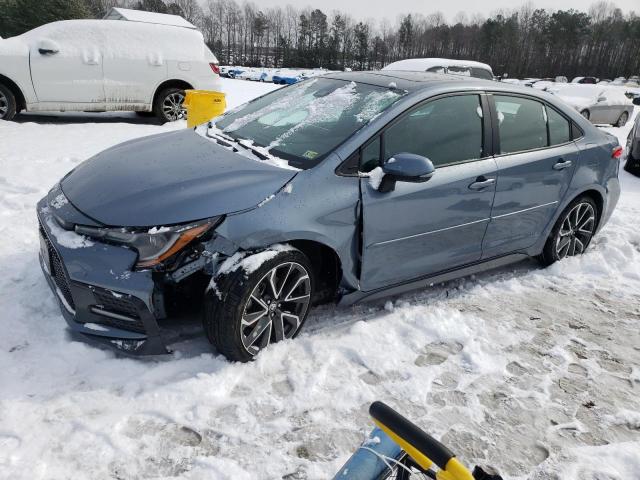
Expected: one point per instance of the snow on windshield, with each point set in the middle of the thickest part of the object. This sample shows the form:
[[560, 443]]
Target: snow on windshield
[[322, 109], [304, 123], [281, 104]]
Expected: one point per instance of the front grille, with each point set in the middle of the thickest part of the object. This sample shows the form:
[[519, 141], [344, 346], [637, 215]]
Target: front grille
[[119, 305], [57, 270]]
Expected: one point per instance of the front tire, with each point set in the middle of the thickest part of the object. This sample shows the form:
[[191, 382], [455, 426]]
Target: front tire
[[245, 312], [168, 105], [573, 231], [8, 106]]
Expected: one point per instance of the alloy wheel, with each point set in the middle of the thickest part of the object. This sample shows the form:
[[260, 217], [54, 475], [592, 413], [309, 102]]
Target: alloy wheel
[[4, 105], [276, 307], [576, 231], [173, 108]]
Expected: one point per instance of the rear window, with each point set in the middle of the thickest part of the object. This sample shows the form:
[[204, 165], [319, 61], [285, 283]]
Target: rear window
[[522, 124], [559, 127]]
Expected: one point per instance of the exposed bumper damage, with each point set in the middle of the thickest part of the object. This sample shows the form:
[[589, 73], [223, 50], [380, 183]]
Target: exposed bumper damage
[[102, 298]]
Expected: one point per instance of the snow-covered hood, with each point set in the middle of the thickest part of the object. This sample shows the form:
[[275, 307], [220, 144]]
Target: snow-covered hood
[[168, 179]]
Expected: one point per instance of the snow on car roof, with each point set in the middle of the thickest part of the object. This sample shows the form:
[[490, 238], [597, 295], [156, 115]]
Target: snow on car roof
[[130, 15], [422, 64]]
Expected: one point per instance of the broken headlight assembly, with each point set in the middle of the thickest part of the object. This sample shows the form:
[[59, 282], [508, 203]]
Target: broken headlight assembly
[[156, 245]]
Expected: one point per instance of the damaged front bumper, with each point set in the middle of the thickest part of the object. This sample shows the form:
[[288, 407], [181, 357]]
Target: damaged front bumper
[[102, 298]]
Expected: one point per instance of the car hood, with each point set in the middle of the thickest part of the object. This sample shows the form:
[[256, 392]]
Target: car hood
[[168, 179]]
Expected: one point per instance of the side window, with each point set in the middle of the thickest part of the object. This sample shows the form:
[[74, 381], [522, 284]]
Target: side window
[[559, 127], [370, 156], [521, 124], [446, 131]]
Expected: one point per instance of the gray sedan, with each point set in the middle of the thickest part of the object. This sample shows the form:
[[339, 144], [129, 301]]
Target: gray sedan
[[344, 188], [600, 105]]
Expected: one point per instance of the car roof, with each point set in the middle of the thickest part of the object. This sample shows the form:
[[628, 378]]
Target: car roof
[[422, 64], [410, 81]]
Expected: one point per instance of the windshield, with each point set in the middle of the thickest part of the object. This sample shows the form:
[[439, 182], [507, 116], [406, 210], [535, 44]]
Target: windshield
[[303, 123]]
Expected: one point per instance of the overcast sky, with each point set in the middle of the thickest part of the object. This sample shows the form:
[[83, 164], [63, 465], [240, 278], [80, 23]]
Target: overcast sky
[[390, 9]]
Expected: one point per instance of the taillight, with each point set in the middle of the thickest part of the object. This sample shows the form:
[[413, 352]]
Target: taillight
[[616, 153], [215, 68]]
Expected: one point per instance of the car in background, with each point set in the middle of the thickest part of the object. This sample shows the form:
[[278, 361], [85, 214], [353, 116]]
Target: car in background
[[632, 149], [598, 104], [287, 77], [104, 65], [585, 80], [234, 72], [246, 74], [317, 193], [469, 68]]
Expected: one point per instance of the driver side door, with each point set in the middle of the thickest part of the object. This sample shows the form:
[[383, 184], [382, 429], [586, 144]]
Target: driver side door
[[420, 229], [66, 65]]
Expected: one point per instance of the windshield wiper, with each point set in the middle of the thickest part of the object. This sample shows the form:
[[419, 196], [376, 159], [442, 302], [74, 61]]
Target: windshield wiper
[[227, 141]]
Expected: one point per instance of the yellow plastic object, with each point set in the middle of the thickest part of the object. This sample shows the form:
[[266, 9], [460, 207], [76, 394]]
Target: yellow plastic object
[[203, 105]]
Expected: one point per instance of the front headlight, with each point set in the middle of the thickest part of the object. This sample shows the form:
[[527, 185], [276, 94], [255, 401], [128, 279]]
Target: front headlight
[[155, 245]]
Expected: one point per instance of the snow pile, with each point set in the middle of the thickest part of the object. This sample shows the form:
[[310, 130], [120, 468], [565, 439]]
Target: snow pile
[[534, 371]]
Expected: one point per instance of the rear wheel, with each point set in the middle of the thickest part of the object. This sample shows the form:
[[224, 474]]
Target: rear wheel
[[622, 121], [8, 108], [246, 311], [168, 105], [586, 114], [573, 231]]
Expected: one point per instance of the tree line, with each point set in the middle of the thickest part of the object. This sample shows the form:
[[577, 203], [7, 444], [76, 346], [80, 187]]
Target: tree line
[[528, 41]]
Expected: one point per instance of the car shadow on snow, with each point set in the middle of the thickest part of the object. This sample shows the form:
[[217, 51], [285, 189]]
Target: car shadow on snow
[[189, 340], [70, 118]]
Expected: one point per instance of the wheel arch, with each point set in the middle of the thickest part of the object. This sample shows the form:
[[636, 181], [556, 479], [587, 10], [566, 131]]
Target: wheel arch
[[327, 267], [15, 89], [597, 197], [172, 83]]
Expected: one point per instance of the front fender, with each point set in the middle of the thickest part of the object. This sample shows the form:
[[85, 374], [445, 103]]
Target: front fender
[[316, 205]]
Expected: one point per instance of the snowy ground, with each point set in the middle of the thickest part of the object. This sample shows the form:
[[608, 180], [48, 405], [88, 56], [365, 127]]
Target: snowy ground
[[534, 371]]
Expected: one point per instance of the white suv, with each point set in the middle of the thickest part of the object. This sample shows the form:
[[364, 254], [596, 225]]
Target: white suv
[[104, 65]]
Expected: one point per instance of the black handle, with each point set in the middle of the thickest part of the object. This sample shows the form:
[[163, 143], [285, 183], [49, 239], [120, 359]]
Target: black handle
[[47, 51], [417, 438]]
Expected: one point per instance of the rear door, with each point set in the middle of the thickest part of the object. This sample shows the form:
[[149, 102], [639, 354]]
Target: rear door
[[66, 64], [536, 159], [133, 69], [423, 228]]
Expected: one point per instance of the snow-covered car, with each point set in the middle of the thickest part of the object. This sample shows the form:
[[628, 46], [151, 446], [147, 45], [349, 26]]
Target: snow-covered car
[[233, 72], [632, 150], [104, 65], [246, 74], [598, 104], [585, 80], [468, 68], [287, 77]]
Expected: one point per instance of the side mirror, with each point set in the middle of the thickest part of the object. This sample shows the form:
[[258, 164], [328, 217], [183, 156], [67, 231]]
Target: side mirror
[[405, 167], [636, 100], [48, 47], [602, 99]]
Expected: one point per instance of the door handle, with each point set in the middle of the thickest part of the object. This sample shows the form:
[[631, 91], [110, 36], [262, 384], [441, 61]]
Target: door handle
[[482, 182], [562, 164], [47, 51]]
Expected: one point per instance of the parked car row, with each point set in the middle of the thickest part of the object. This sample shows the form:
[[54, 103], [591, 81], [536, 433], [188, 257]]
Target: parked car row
[[280, 76]]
